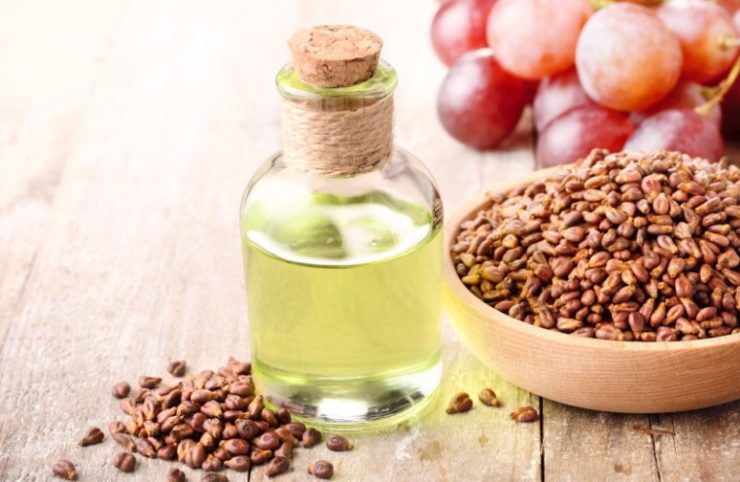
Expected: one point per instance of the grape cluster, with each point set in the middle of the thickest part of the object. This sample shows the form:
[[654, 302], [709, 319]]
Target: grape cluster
[[639, 74]]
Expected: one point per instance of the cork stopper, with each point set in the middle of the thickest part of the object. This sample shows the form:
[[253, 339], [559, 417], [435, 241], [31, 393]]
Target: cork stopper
[[335, 55]]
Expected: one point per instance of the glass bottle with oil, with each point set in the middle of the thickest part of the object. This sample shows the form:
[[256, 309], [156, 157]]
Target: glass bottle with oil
[[342, 246]]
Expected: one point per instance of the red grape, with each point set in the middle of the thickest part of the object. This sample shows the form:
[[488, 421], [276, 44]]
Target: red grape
[[536, 38], [730, 5], [626, 58], [731, 111], [701, 27], [458, 27], [681, 130], [480, 103], [556, 95], [685, 95], [731, 128], [574, 134]]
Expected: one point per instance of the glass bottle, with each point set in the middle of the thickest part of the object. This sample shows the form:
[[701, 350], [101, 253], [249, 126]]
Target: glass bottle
[[342, 246]]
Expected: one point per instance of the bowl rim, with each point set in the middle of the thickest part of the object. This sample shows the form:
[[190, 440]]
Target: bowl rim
[[485, 312]]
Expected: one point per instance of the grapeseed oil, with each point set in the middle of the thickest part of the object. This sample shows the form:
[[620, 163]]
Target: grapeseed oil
[[340, 232], [343, 295]]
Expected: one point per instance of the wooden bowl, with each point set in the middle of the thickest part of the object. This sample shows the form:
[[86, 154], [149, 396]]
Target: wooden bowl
[[614, 376]]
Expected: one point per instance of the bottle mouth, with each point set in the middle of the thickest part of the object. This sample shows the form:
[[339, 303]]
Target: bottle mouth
[[379, 86]]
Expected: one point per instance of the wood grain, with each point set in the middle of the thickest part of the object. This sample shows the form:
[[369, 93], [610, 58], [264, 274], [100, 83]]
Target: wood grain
[[124, 173], [128, 130]]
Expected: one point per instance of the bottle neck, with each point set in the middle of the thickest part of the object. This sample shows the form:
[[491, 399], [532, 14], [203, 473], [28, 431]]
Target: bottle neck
[[337, 131]]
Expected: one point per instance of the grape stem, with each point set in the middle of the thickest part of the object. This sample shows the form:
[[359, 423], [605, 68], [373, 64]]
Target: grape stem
[[730, 42], [598, 4], [717, 93]]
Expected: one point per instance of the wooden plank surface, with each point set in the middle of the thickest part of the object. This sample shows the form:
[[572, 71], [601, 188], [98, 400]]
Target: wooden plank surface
[[128, 130]]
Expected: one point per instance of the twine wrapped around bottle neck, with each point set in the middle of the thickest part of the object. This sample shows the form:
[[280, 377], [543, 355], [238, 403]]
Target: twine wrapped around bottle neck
[[354, 138], [340, 133]]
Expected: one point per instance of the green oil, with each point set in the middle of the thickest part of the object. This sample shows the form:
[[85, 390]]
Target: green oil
[[344, 305]]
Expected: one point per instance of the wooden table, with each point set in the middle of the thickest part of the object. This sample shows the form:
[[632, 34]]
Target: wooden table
[[128, 130]]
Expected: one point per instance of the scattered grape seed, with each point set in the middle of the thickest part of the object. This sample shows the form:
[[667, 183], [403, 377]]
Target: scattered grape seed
[[214, 477], [176, 475], [310, 437], [149, 382], [239, 463], [177, 368], [125, 462], [92, 437], [321, 469], [121, 390], [65, 469], [338, 443], [278, 465], [206, 421], [488, 397], [460, 403], [525, 415]]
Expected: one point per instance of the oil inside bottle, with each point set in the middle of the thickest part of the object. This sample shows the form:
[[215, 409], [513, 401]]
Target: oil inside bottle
[[344, 304]]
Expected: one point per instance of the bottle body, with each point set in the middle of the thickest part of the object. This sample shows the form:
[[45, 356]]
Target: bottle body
[[343, 278]]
